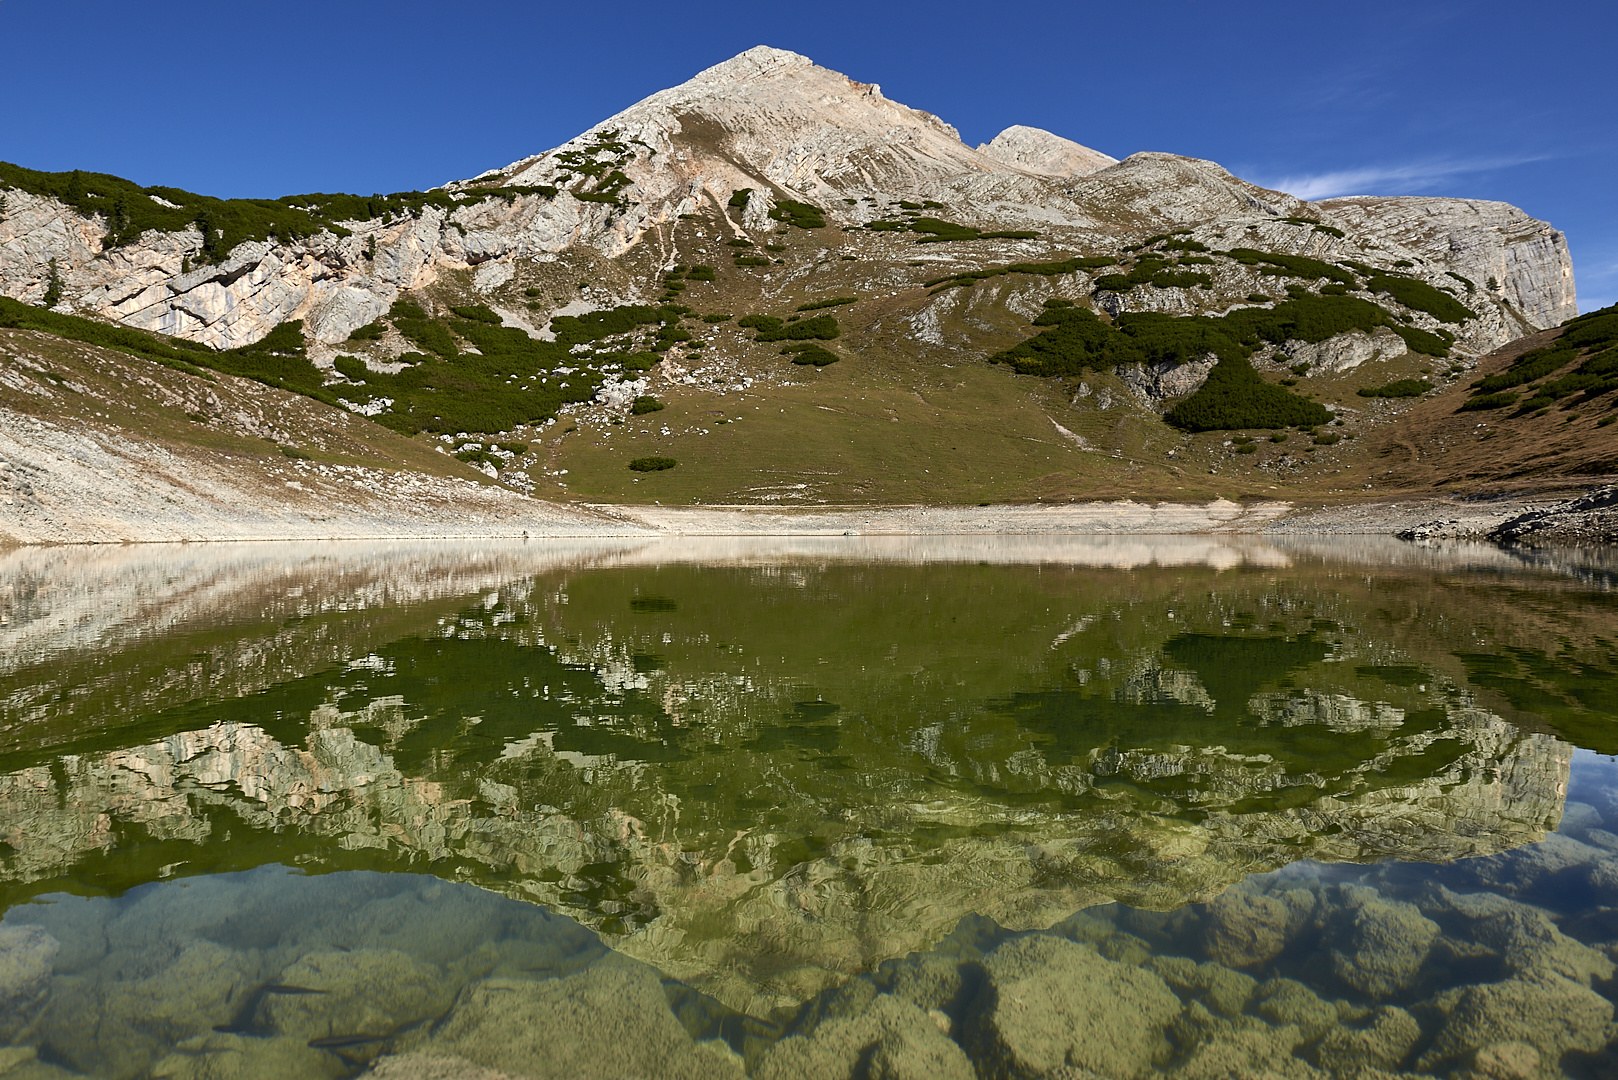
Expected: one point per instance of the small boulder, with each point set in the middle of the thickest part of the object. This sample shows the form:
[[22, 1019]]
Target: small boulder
[[608, 1021], [1288, 1001], [1377, 945], [1381, 1044], [27, 955], [892, 1038], [1553, 1016], [1048, 1002], [1245, 928]]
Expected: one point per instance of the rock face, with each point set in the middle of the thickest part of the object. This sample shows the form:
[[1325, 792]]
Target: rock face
[[774, 122], [1037, 150]]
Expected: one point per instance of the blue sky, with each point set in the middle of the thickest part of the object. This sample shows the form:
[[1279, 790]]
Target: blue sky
[[1481, 99]]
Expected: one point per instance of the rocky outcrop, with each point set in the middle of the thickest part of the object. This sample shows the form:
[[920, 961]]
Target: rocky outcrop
[[1502, 251], [1038, 151]]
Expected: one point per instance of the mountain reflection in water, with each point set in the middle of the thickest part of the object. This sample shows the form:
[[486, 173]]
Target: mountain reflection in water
[[771, 775]]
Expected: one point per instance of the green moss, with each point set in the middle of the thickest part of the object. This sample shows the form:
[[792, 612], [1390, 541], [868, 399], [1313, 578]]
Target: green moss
[[1420, 296], [1074, 265], [1400, 388], [652, 464]]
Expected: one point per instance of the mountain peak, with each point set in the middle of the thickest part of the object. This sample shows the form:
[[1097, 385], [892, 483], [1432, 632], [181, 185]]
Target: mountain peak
[[759, 62], [1037, 150]]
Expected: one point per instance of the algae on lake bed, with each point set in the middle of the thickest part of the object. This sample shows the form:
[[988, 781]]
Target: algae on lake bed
[[833, 799]]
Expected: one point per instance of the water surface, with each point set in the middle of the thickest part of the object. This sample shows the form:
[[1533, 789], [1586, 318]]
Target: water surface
[[808, 807]]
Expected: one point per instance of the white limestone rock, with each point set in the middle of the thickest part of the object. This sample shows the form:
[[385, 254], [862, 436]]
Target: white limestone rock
[[1039, 151]]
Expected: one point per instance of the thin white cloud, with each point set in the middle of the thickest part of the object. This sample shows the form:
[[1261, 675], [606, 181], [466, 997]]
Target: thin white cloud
[[1384, 179]]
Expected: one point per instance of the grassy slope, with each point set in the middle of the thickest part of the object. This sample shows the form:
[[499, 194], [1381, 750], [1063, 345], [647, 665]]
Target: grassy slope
[[1432, 446], [222, 419]]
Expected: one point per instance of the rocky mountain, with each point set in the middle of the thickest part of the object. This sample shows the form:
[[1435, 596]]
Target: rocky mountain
[[635, 262], [773, 122]]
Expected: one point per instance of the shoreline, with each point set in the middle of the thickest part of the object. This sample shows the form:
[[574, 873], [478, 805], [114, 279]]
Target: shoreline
[[1421, 517]]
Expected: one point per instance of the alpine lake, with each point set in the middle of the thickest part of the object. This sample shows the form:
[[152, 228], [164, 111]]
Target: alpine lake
[[841, 808]]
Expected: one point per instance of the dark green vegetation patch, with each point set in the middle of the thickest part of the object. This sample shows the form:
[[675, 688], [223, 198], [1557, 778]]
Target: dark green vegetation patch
[[969, 278], [808, 353], [652, 464], [837, 301], [821, 328], [1236, 396], [1420, 296], [1594, 335], [798, 214], [646, 404], [278, 359]]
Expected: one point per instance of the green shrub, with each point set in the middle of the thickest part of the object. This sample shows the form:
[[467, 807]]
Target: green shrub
[[799, 214], [1330, 438], [295, 454], [1421, 341], [738, 243], [478, 313], [1050, 269], [1400, 388], [1420, 296], [1247, 448], [513, 447], [1489, 401], [821, 327], [371, 331], [700, 273], [1297, 266], [739, 197], [765, 324], [53, 284], [646, 404], [1236, 396], [652, 464], [836, 301], [351, 367], [1009, 234], [751, 260], [807, 353]]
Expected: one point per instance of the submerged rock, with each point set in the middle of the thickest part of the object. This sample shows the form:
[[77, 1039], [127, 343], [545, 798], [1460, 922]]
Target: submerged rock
[[1378, 945], [890, 1039], [364, 992], [609, 1021], [1049, 1002], [1288, 1001], [1247, 928], [26, 957], [1221, 989], [1381, 1044], [141, 1002], [221, 1056], [1553, 1016]]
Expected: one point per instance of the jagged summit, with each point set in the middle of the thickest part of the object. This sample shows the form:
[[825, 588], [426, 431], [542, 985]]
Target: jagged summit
[[1037, 150]]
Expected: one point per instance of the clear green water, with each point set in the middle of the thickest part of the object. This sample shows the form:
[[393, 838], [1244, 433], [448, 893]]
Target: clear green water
[[826, 808]]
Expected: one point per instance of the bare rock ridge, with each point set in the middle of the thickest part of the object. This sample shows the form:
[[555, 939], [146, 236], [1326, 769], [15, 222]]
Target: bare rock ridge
[[1039, 151], [774, 122]]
